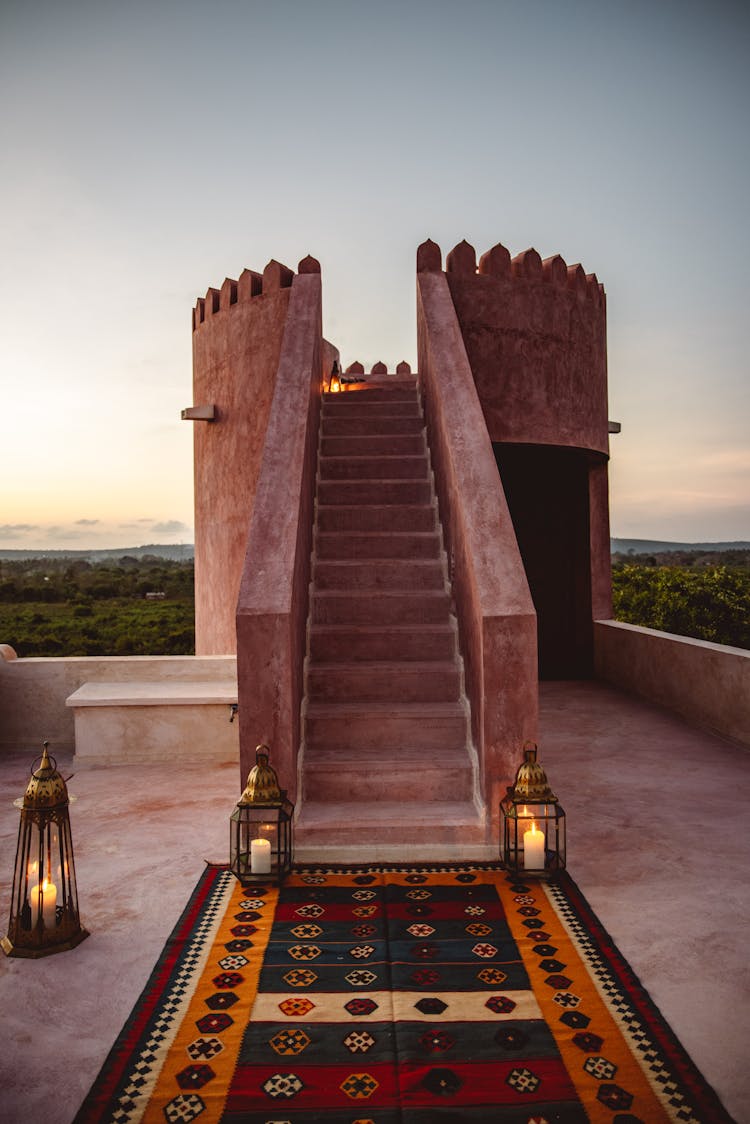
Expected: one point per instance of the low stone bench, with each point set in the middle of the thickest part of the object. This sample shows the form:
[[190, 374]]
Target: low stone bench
[[152, 721]]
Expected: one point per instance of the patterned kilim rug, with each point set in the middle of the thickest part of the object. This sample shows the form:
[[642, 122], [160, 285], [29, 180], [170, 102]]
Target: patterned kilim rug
[[395, 995]]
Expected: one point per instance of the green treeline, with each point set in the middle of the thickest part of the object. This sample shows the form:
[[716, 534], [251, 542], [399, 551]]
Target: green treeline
[[691, 595], [64, 607]]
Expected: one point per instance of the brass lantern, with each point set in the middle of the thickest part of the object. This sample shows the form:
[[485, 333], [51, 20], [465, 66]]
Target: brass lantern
[[44, 905], [260, 829], [532, 822]]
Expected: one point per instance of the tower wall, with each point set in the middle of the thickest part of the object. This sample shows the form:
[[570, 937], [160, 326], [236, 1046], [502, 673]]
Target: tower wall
[[535, 336], [237, 335]]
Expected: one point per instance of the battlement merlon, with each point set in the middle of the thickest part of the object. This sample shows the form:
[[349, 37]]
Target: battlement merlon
[[535, 335], [250, 284]]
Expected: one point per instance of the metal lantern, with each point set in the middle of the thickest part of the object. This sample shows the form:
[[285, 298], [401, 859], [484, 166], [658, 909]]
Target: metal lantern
[[260, 828], [532, 822], [44, 906]]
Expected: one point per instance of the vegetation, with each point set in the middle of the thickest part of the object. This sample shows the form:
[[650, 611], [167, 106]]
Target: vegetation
[[701, 594], [65, 607], [73, 607]]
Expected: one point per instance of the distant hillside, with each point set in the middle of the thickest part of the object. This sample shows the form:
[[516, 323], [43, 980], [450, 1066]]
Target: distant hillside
[[655, 546], [183, 552]]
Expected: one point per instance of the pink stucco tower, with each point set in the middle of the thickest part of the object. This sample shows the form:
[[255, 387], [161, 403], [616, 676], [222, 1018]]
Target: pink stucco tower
[[534, 333], [238, 332]]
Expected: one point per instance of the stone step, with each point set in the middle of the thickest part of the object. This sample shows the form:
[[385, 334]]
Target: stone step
[[378, 444], [374, 468], [399, 682], [391, 830], [374, 492], [345, 425], [342, 775], [375, 726], [337, 642], [374, 544], [351, 405], [374, 574], [379, 607], [376, 390], [376, 517]]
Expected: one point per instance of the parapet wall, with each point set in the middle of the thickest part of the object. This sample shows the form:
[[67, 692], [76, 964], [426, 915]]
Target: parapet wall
[[708, 684], [237, 337], [33, 690], [497, 623], [535, 335], [272, 607]]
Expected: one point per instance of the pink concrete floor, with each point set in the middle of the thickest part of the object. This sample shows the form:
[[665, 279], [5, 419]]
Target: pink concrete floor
[[658, 842]]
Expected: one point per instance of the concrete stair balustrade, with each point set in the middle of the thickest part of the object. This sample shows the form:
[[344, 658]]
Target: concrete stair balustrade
[[387, 761]]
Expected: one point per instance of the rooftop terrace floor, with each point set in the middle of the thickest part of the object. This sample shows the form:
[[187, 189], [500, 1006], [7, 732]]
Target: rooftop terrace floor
[[658, 840]]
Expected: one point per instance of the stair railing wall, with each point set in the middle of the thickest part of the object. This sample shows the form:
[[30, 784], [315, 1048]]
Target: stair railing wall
[[496, 617], [272, 608]]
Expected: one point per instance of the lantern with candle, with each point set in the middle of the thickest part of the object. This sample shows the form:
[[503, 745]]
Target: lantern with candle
[[44, 914], [532, 822], [260, 844]]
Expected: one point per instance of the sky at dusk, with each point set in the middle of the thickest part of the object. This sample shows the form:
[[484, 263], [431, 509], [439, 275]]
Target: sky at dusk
[[151, 149]]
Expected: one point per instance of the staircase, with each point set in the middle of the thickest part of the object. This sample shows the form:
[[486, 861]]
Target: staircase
[[387, 770]]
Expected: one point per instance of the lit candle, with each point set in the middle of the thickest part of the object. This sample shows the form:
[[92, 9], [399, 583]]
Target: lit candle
[[260, 856], [49, 904], [533, 848]]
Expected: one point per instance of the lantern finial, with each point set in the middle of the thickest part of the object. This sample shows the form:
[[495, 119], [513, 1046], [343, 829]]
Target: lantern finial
[[531, 782], [46, 789], [262, 783]]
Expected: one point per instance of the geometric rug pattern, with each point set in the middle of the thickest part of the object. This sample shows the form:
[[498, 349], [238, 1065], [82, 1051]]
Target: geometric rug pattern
[[384, 994]]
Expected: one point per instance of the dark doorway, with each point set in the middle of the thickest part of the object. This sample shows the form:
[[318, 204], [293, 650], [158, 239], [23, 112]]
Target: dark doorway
[[547, 489]]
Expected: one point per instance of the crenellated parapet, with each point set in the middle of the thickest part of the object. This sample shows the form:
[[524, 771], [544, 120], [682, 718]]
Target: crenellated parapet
[[496, 262], [535, 335], [249, 285], [378, 370]]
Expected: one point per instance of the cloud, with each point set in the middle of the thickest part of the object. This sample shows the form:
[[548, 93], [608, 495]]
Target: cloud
[[13, 530], [65, 534], [87, 522], [170, 527]]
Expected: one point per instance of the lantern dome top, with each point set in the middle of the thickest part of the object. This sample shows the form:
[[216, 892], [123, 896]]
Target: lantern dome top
[[531, 784], [46, 789], [262, 783]]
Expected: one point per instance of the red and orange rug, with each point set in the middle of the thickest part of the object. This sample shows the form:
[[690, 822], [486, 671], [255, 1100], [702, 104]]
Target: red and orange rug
[[395, 995]]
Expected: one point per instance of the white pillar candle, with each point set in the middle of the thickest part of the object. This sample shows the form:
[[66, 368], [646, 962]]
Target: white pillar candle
[[260, 856], [533, 848], [49, 904]]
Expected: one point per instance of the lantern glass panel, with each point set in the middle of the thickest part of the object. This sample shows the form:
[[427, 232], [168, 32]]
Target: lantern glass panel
[[532, 837], [261, 842]]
